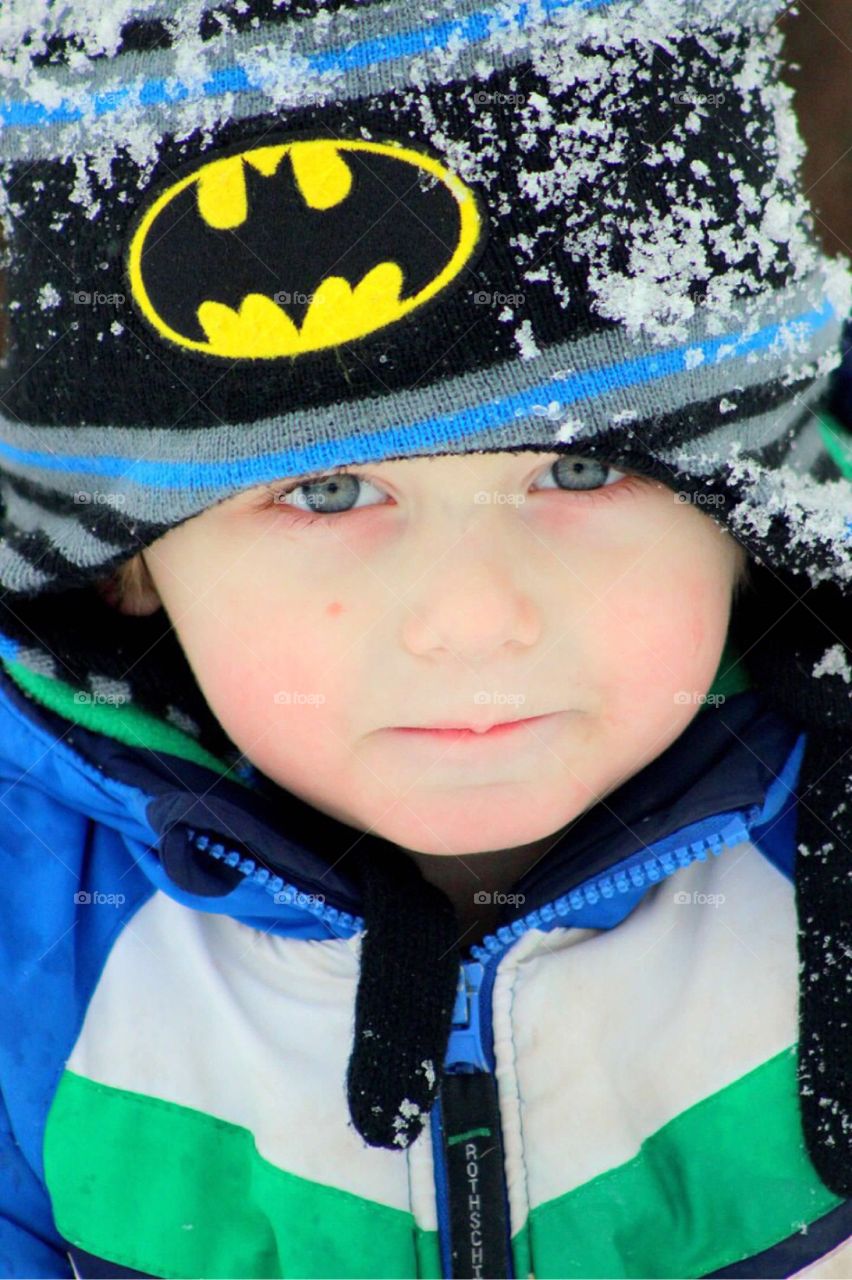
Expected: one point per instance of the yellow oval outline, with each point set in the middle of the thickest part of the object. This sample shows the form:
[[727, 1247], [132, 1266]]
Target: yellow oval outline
[[471, 226]]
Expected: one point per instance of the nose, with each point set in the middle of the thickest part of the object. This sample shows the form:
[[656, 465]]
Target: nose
[[473, 599]]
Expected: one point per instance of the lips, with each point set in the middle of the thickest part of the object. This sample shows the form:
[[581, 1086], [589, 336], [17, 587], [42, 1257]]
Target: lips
[[459, 729]]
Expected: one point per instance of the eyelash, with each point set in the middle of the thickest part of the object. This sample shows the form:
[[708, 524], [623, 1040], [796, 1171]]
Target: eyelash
[[627, 485]]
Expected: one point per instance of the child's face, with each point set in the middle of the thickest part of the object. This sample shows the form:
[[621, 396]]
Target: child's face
[[316, 636]]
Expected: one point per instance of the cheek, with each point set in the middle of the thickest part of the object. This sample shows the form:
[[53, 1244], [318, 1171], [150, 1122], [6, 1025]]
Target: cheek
[[283, 676], [658, 637], [703, 609]]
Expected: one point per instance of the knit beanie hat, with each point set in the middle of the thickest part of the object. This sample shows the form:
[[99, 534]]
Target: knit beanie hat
[[275, 237]]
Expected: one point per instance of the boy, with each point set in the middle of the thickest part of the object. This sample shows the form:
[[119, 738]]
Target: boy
[[425, 692]]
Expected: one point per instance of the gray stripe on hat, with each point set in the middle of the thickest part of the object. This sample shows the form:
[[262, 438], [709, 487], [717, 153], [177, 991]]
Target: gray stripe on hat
[[276, 60], [807, 448], [704, 455], [238, 445], [17, 574], [66, 535]]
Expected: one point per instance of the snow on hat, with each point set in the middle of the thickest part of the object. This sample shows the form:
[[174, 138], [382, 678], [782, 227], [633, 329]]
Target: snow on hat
[[279, 237]]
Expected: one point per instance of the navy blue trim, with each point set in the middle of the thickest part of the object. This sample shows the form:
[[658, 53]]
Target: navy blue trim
[[797, 1251], [91, 1267]]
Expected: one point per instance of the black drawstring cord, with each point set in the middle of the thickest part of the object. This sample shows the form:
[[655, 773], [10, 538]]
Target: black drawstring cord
[[405, 998]]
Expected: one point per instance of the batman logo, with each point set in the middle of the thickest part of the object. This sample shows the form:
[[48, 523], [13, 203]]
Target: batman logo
[[299, 245]]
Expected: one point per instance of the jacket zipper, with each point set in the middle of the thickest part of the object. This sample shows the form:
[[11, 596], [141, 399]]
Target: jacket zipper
[[473, 1243], [635, 871], [467, 1139]]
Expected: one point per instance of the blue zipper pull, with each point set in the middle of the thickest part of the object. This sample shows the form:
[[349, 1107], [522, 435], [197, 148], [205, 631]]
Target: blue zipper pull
[[465, 1050]]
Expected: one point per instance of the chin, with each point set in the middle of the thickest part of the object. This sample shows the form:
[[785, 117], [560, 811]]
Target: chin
[[482, 820]]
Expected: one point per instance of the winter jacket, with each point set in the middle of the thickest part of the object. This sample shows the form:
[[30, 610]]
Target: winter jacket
[[179, 964]]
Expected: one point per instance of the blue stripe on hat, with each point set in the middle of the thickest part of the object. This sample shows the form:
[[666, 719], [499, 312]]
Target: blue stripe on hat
[[234, 79], [406, 438]]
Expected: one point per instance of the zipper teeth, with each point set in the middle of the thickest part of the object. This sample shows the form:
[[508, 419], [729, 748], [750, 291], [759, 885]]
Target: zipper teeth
[[651, 870], [278, 888]]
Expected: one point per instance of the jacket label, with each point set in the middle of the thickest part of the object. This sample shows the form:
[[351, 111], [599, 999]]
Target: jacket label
[[473, 1152]]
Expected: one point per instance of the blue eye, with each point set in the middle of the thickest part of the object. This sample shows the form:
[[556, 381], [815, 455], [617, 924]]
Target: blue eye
[[327, 495], [573, 471]]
